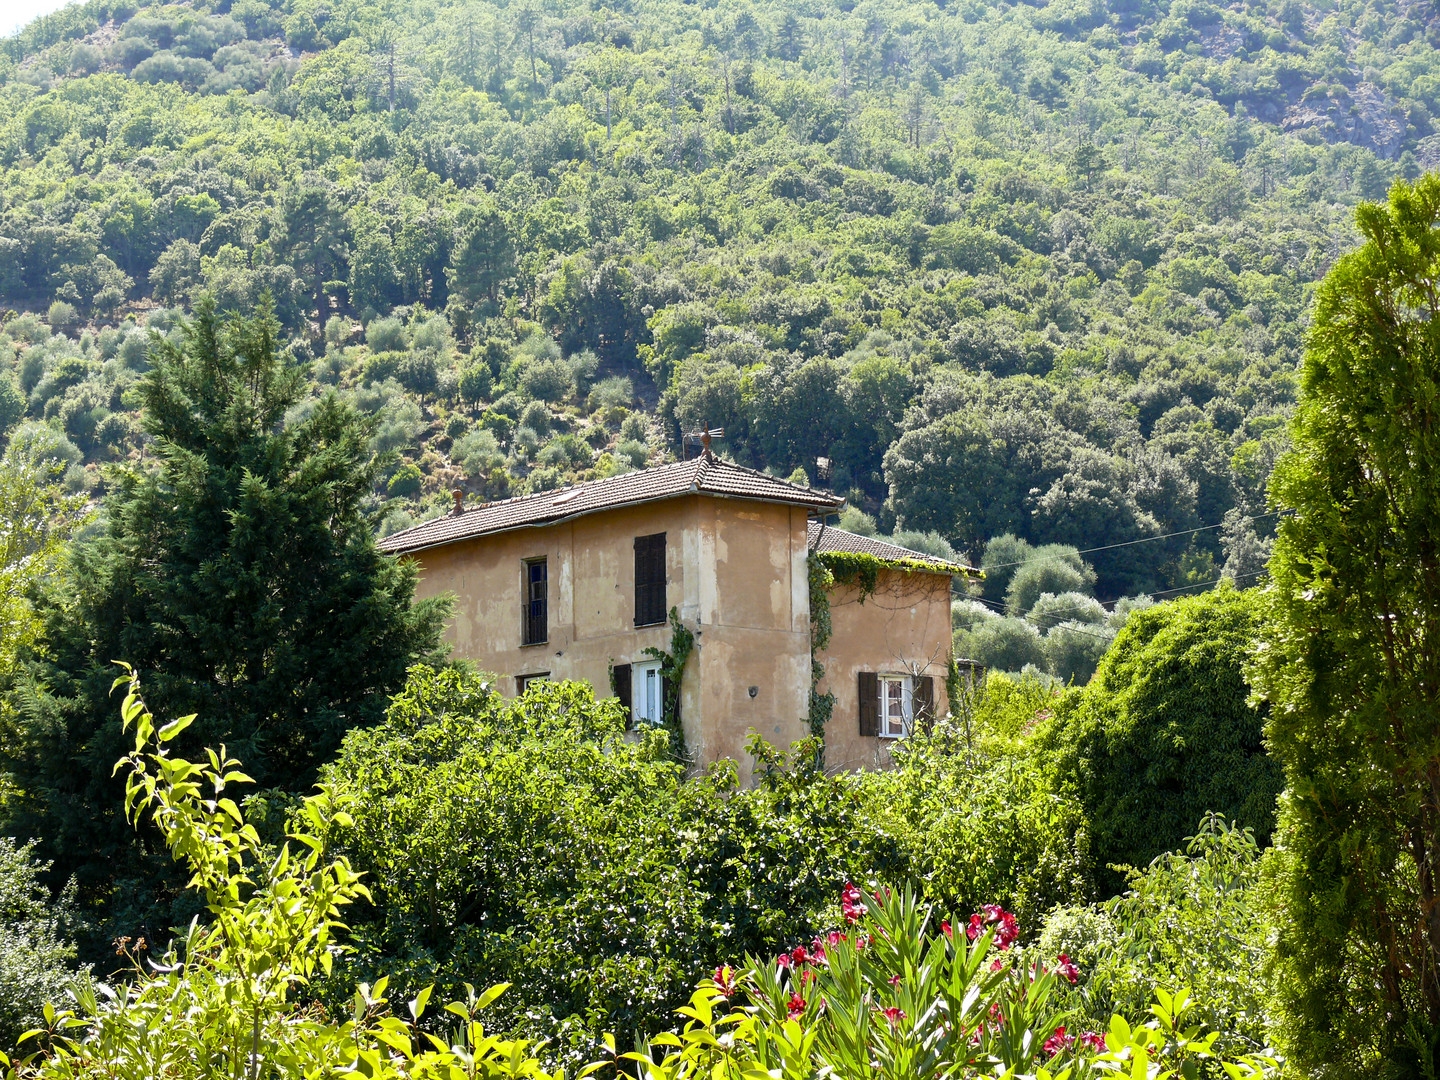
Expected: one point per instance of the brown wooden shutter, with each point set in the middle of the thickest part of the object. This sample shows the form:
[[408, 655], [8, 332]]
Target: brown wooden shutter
[[923, 703], [649, 579], [869, 703], [623, 692]]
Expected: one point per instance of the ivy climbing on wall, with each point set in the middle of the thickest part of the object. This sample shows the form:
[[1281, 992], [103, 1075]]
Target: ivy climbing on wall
[[672, 668]]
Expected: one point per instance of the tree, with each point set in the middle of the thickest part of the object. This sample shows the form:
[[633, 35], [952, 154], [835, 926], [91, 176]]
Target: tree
[[240, 574], [1351, 663], [317, 234], [1163, 734], [484, 255]]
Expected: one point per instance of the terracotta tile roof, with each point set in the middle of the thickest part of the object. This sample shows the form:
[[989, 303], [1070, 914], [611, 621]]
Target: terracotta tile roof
[[828, 538], [705, 475]]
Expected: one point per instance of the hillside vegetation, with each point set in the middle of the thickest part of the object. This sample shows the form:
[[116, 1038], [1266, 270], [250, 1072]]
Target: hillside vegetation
[[1036, 270]]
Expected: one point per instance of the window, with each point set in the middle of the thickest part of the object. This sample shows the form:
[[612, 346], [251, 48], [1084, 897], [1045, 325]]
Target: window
[[522, 682], [650, 579], [647, 693], [535, 620], [891, 706], [896, 703]]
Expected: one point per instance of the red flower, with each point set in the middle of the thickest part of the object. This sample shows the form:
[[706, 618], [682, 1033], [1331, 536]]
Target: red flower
[[852, 904], [799, 956], [1092, 1041], [796, 1006], [893, 1014], [996, 964], [945, 927], [996, 917], [1065, 966], [862, 942], [834, 938], [817, 951], [725, 980], [782, 961], [894, 980], [1059, 1041]]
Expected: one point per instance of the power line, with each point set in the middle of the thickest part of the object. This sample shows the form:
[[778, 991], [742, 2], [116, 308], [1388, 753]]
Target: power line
[[1130, 543], [1213, 581]]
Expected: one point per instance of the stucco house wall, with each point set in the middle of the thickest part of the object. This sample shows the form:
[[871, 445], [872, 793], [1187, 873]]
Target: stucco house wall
[[902, 628], [735, 570]]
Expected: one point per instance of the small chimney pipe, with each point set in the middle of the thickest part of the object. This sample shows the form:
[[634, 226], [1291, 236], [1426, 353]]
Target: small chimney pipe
[[459, 496]]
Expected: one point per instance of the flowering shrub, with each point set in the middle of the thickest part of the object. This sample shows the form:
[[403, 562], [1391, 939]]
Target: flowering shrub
[[893, 994]]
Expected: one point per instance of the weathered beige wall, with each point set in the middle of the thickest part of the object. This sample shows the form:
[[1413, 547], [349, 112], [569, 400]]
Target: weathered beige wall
[[735, 570], [904, 628]]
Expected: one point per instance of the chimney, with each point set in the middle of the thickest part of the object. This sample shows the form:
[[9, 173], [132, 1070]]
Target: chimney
[[459, 501]]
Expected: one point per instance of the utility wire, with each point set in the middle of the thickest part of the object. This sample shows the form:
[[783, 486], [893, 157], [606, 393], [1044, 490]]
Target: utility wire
[[1130, 543]]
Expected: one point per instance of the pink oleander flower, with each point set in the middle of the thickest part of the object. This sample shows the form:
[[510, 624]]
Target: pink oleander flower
[[1093, 1041], [1058, 1042], [725, 980], [862, 942], [817, 952], [799, 956], [945, 928], [795, 1006], [996, 917], [1066, 967], [893, 1014], [782, 961], [894, 980], [835, 937], [852, 904]]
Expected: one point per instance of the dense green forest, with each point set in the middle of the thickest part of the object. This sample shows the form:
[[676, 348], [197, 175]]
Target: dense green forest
[[1090, 294], [1008, 269]]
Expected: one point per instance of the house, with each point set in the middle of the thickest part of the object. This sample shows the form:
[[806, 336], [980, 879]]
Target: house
[[579, 582]]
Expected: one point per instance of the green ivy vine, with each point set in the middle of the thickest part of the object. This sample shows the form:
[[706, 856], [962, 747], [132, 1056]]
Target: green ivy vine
[[672, 667], [822, 580]]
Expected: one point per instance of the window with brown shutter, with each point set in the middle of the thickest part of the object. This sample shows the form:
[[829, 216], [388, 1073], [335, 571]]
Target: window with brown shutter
[[869, 703], [650, 579], [924, 703], [621, 679]]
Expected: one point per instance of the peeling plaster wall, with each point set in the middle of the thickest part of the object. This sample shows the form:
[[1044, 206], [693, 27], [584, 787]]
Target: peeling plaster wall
[[903, 628], [735, 569]]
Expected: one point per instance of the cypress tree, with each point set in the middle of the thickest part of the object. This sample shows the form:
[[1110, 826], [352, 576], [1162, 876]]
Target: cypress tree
[[239, 575], [1351, 663]]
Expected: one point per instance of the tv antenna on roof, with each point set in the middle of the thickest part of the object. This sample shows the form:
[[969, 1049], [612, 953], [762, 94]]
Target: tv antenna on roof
[[701, 438]]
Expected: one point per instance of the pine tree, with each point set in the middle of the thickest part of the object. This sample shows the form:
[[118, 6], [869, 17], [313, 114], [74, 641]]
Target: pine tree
[[240, 576], [1351, 667]]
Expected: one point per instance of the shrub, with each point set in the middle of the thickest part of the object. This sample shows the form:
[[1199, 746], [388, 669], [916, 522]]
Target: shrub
[[1074, 649], [634, 452], [1193, 917], [616, 391], [1004, 554], [62, 317], [928, 543], [406, 481], [529, 841], [1054, 568], [1001, 644], [475, 384], [1164, 734], [536, 417], [546, 380], [33, 442], [386, 335], [37, 964], [1051, 610]]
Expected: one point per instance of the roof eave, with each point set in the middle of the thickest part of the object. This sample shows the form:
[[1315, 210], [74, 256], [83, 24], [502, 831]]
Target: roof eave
[[830, 501]]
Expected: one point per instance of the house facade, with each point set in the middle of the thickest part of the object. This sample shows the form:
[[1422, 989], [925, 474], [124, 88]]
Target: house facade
[[579, 582]]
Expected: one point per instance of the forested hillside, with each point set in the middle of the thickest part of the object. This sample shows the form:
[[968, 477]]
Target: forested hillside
[[1039, 270]]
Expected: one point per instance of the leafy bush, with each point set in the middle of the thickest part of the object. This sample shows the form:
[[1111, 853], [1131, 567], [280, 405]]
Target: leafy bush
[[405, 482], [1193, 917], [1074, 649], [974, 814], [1004, 554], [634, 452], [37, 964], [386, 335], [1054, 568], [528, 841], [1001, 644], [1164, 734]]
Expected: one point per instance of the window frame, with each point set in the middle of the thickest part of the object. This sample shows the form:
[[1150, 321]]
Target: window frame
[[639, 702], [529, 618], [885, 679], [522, 682]]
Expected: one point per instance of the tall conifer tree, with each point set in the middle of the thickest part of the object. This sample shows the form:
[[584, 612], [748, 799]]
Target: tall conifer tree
[[1351, 667], [240, 576]]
